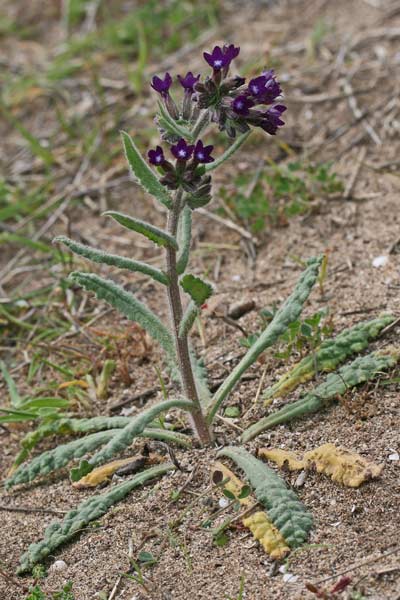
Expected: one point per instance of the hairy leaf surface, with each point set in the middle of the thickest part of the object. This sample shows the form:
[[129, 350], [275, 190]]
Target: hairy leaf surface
[[156, 235], [75, 520], [285, 510]]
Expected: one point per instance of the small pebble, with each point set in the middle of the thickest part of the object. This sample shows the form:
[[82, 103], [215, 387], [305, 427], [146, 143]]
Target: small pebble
[[58, 565]]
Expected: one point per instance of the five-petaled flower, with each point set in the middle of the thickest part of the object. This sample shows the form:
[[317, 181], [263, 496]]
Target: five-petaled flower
[[221, 58], [202, 154], [265, 89], [156, 157], [242, 104], [181, 150], [162, 85], [188, 82]]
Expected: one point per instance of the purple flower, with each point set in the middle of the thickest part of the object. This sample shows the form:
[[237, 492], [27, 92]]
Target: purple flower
[[181, 150], [188, 82], [202, 154], [241, 105], [265, 89], [230, 52], [156, 157], [162, 85], [221, 58], [271, 119]]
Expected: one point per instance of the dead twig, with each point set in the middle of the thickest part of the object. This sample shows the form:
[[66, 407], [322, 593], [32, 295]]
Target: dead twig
[[353, 178]]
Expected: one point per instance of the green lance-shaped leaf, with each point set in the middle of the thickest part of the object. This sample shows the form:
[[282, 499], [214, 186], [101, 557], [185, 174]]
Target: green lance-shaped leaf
[[155, 234], [184, 239], [197, 289], [98, 256], [330, 354], [75, 520], [287, 313], [362, 369], [285, 510], [228, 152], [129, 306], [15, 398], [65, 426], [59, 457], [124, 437], [188, 318], [142, 172]]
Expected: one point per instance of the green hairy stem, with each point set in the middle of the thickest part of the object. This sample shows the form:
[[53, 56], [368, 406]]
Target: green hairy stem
[[113, 260], [228, 152], [288, 312], [129, 306], [330, 354], [362, 369], [91, 509], [181, 341], [188, 319], [285, 510]]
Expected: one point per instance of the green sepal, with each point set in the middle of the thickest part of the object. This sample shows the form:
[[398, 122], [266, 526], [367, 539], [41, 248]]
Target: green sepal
[[156, 235], [197, 289]]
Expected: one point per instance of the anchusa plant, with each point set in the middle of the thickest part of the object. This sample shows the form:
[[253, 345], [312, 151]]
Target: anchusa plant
[[177, 173]]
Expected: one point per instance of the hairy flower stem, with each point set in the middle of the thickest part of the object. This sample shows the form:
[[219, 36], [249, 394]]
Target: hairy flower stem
[[181, 341], [201, 123]]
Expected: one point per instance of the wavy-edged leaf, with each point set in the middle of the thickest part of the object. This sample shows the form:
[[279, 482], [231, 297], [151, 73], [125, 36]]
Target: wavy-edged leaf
[[75, 520], [129, 306], [153, 233], [362, 369], [124, 437], [184, 240], [259, 523], [98, 256], [287, 313], [142, 173], [197, 289], [285, 510], [330, 354], [61, 455]]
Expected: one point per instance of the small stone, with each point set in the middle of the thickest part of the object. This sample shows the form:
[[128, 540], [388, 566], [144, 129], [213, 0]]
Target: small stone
[[289, 578], [394, 456], [58, 565], [223, 502], [380, 261]]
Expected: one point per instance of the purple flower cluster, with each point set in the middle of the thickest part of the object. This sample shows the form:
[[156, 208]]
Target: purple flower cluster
[[183, 173], [228, 101]]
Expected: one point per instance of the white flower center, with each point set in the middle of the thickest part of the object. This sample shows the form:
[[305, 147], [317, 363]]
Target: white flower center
[[217, 63], [182, 153], [239, 104], [254, 89], [158, 158], [200, 155]]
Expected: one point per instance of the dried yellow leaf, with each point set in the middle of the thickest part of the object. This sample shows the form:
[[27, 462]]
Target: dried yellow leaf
[[282, 458], [258, 523], [80, 382], [342, 466], [268, 536], [104, 472]]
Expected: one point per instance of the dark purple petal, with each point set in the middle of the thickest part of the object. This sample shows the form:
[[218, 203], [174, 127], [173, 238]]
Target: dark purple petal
[[217, 59], [230, 52], [202, 154], [162, 85], [271, 119], [156, 157], [189, 81], [241, 105], [265, 89], [181, 150]]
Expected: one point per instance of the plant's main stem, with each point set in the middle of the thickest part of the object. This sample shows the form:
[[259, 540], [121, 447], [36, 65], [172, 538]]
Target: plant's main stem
[[181, 342]]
